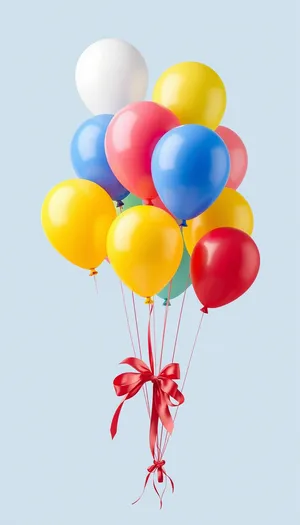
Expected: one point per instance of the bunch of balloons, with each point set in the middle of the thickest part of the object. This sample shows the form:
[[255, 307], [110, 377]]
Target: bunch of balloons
[[171, 171]]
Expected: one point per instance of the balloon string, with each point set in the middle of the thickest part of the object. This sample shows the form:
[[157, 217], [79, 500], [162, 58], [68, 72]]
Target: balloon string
[[165, 327], [167, 437], [154, 335], [159, 441], [127, 319], [132, 343], [96, 284], [140, 346], [137, 325], [179, 322]]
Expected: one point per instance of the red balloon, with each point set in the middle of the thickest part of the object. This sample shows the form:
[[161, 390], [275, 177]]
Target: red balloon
[[130, 139], [238, 156], [224, 264]]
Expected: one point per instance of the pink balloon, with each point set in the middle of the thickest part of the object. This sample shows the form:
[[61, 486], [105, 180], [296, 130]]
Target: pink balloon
[[238, 156], [130, 139]]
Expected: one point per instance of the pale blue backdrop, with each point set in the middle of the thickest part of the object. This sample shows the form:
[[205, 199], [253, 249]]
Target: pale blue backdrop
[[234, 455]]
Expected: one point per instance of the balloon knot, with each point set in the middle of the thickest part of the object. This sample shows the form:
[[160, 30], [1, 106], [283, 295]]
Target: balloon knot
[[167, 302], [149, 300], [93, 272], [120, 204], [148, 202], [204, 310], [183, 223]]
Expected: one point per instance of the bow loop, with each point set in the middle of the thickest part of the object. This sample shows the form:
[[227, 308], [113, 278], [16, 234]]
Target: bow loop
[[125, 383], [172, 371], [137, 364]]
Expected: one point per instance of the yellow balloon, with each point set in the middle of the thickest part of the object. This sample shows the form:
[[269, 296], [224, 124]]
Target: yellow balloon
[[230, 210], [144, 247], [193, 92], [76, 216]]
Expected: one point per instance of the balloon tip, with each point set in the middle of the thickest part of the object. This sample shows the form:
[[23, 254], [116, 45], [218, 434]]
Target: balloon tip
[[204, 310], [120, 204], [167, 302], [183, 223], [149, 300], [148, 202], [93, 272]]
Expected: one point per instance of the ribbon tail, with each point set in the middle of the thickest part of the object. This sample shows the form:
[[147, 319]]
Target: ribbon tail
[[163, 492], [159, 495], [115, 420], [153, 424], [145, 485], [171, 481], [164, 413]]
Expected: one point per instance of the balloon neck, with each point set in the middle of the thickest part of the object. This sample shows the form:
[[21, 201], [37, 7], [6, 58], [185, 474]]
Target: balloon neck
[[183, 223], [148, 202], [120, 204], [93, 272], [167, 302], [204, 310], [149, 300]]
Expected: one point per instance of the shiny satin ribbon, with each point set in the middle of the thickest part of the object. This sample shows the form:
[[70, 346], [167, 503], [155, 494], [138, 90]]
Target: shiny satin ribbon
[[165, 388], [158, 467]]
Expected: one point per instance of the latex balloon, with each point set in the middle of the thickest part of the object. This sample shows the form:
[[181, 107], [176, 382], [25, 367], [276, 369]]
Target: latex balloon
[[130, 202], [190, 167], [89, 158], [144, 246], [193, 92], [130, 140], [76, 216], [229, 209], [180, 282], [109, 75], [224, 264], [238, 156]]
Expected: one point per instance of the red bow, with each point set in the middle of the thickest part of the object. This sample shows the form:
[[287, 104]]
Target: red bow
[[164, 388]]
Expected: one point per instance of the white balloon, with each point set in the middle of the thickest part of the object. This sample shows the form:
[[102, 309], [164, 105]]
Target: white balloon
[[109, 75]]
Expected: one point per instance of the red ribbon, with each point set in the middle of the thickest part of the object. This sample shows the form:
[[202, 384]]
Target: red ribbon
[[157, 466], [129, 384]]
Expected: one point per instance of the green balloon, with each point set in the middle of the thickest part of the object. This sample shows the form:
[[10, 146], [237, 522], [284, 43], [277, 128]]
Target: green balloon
[[131, 201], [181, 280]]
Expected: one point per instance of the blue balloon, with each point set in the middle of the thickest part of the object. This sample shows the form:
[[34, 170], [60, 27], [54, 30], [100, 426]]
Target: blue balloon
[[89, 158], [190, 168]]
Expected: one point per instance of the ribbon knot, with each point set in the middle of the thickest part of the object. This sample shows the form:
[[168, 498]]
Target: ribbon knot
[[129, 384], [157, 466]]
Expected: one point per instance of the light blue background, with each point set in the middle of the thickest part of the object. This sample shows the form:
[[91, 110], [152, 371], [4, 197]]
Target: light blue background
[[234, 455]]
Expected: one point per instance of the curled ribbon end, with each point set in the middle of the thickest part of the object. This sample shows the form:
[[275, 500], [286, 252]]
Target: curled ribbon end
[[149, 300], [93, 272], [204, 310]]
